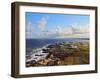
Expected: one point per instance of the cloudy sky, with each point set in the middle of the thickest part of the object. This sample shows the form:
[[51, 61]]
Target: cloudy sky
[[42, 25]]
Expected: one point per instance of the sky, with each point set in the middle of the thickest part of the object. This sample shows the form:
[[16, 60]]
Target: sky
[[47, 25]]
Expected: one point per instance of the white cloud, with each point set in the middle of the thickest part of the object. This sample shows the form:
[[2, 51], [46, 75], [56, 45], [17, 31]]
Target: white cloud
[[29, 30], [75, 31], [80, 29], [36, 30], [42, 23], [32, 31]]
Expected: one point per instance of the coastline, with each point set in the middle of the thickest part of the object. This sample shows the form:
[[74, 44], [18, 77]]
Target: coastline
[[54, 53]]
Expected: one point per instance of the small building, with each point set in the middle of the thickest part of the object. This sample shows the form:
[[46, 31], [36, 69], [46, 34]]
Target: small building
[[74, 46], [71, 46]]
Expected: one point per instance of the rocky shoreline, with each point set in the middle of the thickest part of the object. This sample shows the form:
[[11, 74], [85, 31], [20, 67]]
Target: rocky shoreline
[[60, 53]]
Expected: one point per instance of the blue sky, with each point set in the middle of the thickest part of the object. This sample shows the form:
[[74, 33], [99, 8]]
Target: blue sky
[[45, 25]]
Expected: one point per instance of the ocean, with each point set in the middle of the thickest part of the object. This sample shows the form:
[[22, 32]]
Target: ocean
[[38, 43]]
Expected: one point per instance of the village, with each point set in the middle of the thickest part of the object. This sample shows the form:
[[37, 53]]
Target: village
[[60, 53]]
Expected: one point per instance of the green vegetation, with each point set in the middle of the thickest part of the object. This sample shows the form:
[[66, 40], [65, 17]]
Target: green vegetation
[[66, 54]]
